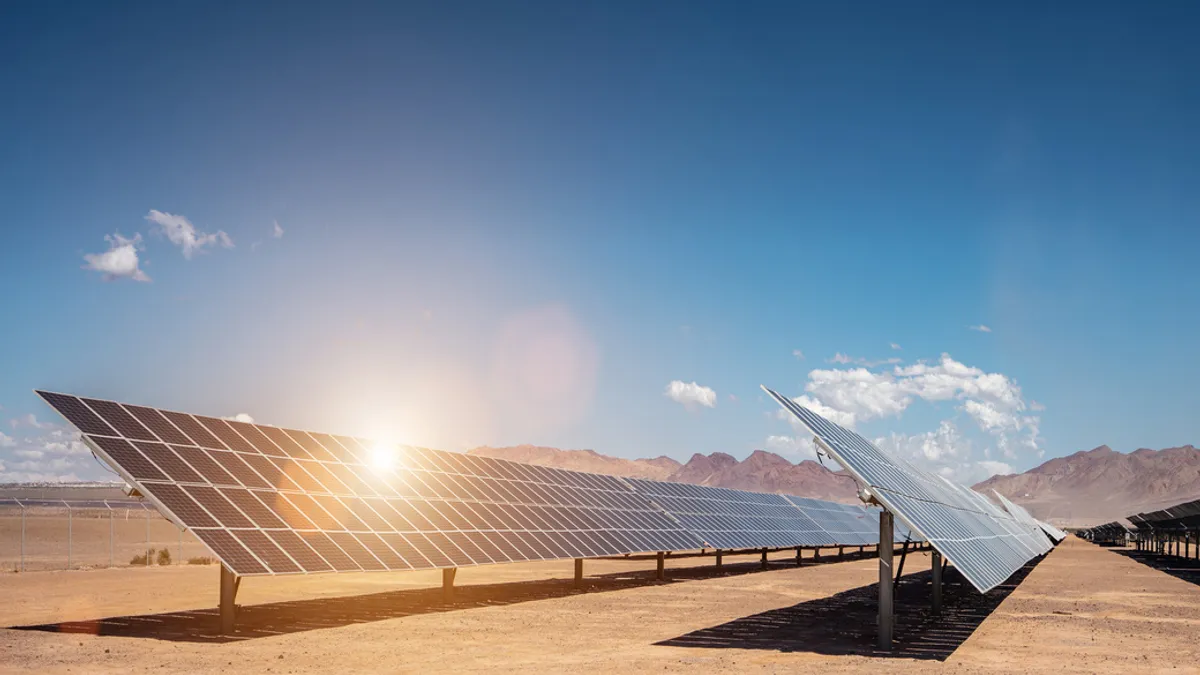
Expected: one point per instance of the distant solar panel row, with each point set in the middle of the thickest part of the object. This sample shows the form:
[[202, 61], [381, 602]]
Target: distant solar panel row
[[1024, 516], [986, 544], [268, 500]]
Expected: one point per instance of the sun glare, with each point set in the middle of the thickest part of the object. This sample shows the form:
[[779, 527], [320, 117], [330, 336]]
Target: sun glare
[[384, 456]]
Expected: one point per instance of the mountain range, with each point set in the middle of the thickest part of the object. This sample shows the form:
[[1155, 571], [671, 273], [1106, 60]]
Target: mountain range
[[1101, 484], [762, 471]]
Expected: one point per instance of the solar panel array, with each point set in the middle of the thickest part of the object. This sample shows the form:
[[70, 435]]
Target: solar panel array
[[726, 518], [1113, 532], [268, 500], [1179, 518], [1024, 516], [984, 543]]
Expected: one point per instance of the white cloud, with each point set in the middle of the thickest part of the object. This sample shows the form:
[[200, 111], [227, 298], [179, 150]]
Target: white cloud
[[992, 401], [844, 359], [183, 234], [120, 261], [941, 444], [241, 417], [49, 452], [6, 441], [691, 394], [980, 328], [798, 354], [277, 231], [29, 420], [1035, 406], [796, 446], [895, 346], [994, 468]]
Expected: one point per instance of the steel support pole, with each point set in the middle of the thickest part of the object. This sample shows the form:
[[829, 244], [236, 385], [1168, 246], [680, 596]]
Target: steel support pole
[[903, 557], [799, 557], [885, 579], [718, 558], [937, 583], [841, 553], [110, 538], [448, 582], [147, 538], [70, 534], [578, 572], [764, 558], [22, 538], [229, 589], [661, 572]]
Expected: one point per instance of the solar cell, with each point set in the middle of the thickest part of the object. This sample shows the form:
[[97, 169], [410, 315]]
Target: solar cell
[[356, 550], [120, 420], [255, 510], [299, 551], [187, 511], [128, 458], [170, 463], [199, 460], [221, 508], [335, 556], [267, 551], [223, 431], [78, 414], [199, 435], [232, 553], [159, 425]]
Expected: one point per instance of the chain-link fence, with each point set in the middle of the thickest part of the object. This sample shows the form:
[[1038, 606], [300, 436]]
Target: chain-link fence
[[49, 534]]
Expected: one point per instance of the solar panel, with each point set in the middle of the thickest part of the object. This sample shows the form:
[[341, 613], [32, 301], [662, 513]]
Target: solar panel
[[1022, 515], [280, 501], [969, 533], [730, 519]]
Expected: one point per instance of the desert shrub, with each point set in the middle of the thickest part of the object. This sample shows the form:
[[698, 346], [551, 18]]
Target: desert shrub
[[143, 558], [164, 557], [202, 560]]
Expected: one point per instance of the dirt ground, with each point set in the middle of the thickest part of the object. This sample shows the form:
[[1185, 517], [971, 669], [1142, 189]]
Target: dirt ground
[[94, 541], [1081, 609]]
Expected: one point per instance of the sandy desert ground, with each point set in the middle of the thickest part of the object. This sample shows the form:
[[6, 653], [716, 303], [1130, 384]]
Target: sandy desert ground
[[1081, 609]]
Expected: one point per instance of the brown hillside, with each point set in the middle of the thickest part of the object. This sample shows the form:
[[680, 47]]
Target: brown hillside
[[761, 471], [1102, 484]]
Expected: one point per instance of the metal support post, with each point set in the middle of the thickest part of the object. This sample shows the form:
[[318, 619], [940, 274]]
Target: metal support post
[[841, 553], [70, 534], [661, 572], [229, 589], [180, 560], [937, 583], [147, 538], [860, 550], [448, 582], [885, 580], [578, 572], [903, 557], [817, 554], [110, 537], [22, 538], [718, 558], [799, 557], [764, 558]]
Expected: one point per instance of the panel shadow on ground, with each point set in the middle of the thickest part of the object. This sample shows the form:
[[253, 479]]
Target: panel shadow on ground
[[280, 618], [1178, 567], [845, 623]]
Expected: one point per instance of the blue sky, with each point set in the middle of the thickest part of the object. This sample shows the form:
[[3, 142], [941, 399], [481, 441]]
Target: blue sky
[[521, 222]]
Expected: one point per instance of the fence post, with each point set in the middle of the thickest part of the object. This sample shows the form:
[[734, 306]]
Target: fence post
[[22, 538], [110, 536], [180, 561], [70, 533], [147, 538]]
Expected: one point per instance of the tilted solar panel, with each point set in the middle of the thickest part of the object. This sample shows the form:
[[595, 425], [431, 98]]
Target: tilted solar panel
[[969, 533], [279, 501], [1024, 516]]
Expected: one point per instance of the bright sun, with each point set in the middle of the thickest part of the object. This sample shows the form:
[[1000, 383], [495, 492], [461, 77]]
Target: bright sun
[[384, 456]]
